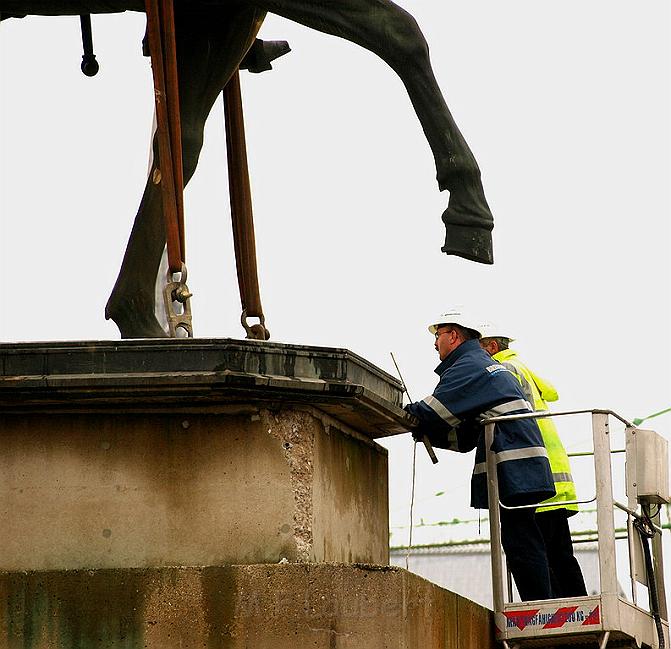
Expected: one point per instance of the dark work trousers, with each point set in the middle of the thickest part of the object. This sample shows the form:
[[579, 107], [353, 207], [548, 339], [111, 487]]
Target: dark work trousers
[[565, 574], [525, 553]]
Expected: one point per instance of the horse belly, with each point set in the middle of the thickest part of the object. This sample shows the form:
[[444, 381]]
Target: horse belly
[[68, 7]]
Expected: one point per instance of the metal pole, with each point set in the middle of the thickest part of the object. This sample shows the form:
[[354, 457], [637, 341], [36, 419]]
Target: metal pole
[[604, 514], [632, 537], [604, 640], [494, 521], [659, 567]]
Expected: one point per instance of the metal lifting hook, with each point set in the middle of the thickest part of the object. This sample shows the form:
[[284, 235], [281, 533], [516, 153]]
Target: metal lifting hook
[[255, 331], [176, 298]]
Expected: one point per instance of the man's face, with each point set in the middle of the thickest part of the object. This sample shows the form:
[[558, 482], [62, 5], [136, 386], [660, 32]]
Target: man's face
[[447, 340], [489, 345]]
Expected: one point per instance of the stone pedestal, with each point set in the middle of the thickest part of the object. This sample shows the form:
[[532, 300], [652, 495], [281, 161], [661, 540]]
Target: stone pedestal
[[242, 453], [131, 490], [137, 477]]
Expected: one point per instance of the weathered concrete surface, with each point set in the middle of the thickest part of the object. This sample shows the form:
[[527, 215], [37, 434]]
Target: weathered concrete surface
[[119, 460], [81, 490], [294, 606], [174, 374]]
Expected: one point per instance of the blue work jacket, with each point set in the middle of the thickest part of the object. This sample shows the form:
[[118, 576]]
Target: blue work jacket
[[473, 387]]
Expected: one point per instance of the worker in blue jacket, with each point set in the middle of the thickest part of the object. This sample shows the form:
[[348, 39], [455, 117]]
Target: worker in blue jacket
[[471, 388]]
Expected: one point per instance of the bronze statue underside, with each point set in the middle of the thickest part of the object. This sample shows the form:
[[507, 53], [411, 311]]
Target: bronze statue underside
[[212, 39]]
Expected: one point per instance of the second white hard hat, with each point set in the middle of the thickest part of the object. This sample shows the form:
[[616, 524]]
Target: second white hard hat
[[490, 329], [456, 316]]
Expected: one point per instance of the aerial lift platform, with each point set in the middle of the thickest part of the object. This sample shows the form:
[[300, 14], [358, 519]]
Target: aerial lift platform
[[606, 619]]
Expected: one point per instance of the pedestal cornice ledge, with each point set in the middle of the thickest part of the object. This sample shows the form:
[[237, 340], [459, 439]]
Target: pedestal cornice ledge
[[210, 375]]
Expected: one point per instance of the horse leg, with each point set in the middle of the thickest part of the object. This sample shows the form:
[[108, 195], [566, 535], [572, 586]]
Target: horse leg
[[210, 45], [392, 33]]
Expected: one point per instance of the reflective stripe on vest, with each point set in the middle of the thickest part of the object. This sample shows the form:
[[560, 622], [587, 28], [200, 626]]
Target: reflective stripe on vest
[[441, 410], [505, 408], [514, 454]]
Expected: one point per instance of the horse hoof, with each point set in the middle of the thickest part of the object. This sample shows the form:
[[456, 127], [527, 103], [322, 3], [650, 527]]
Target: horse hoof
[[470, 242]]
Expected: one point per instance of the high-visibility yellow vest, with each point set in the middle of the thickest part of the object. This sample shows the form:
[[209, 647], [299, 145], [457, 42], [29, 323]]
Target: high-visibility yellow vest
[[538, 392]]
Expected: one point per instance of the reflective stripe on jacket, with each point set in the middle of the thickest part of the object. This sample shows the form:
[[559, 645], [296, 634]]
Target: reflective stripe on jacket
[[539, 391], [472, 387]]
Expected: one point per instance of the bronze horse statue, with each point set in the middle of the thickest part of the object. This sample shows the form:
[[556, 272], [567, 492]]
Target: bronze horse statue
[[213, 37]]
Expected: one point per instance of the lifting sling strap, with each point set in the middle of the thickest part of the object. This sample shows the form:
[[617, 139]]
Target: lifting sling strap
[[242, 217], [161, 36], [169, 173]]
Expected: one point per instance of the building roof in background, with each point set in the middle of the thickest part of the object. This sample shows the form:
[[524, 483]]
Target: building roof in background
[[466, 569]]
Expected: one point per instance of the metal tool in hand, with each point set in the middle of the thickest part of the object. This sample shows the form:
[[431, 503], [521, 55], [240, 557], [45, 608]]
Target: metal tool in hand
[[425, 439]]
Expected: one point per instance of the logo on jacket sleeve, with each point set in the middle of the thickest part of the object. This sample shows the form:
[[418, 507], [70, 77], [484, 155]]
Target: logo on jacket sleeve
[[497, 367]]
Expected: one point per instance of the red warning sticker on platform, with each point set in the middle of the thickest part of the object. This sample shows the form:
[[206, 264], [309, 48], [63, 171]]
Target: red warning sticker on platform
[[552, 617], [593, 617]]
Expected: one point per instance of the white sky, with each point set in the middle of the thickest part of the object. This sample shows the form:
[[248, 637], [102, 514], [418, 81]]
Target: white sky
[[566, 106]]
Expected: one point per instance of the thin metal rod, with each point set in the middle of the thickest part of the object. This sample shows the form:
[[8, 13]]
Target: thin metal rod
[[542, 414], [589, 453], [400, 376], [604, 640], [425, 439], [412, 504], [594, 539]]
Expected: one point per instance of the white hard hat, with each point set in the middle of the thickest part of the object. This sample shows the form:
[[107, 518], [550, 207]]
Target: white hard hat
[[489, 329], [456, 316]]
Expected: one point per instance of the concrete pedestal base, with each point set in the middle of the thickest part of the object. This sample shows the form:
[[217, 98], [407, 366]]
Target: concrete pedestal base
[[119, 461], [142, 490], [320, 606], [244, 452]]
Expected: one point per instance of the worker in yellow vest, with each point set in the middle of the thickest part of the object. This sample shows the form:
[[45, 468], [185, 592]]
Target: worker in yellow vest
[[565, 574]]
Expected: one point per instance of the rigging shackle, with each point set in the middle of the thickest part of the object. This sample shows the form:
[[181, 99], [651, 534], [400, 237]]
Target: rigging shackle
[[255, 331], [177, 303]]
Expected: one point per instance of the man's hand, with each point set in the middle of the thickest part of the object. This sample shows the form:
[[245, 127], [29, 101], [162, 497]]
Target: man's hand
[[415, 435], [421, 437]]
